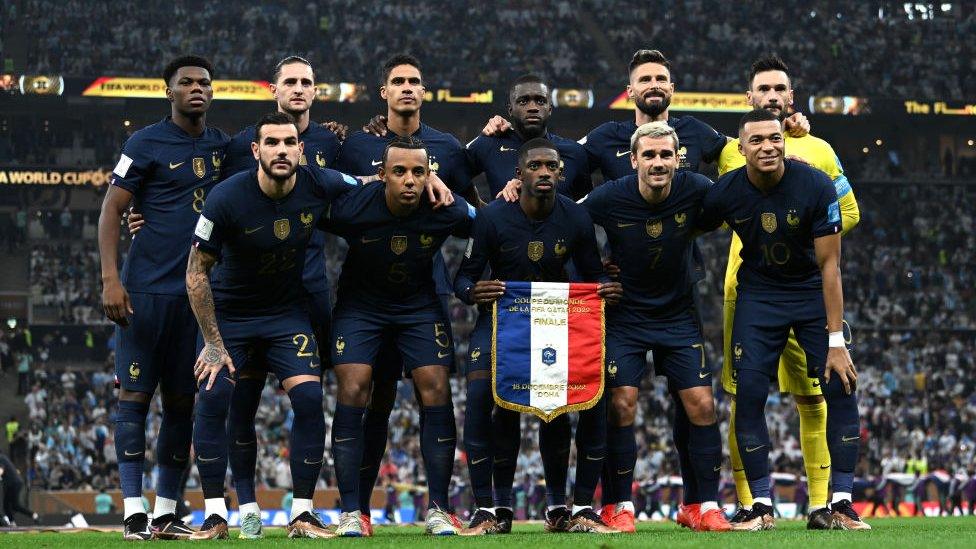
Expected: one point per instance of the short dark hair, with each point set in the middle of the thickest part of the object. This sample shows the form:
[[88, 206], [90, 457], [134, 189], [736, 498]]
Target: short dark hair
[[291, 59], [642, 57], [404, 142], [756, 115], [532, 144], [771, 62], [273, 119], [396, 61], [186, 61], [530, 78]]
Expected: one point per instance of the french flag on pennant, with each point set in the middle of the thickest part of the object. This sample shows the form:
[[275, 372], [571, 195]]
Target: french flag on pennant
[[548, 352]]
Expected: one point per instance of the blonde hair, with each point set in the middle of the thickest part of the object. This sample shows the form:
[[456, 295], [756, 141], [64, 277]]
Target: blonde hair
[[653, 129]]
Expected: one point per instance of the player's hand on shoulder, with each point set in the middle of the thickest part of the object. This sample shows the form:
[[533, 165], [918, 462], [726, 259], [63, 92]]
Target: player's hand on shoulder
[[376, 126], [340, 130], [438, 192], [212, 359], [611, 292], [134, 221], [510, 192], [839, 363], [797, 125], [497, 125], [115, 302], [486, 291]]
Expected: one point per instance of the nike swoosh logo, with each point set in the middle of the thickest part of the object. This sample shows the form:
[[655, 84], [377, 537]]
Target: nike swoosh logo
[[307, 462], [338, 440], [816, 384], [625, 225], [312, 365], [443, 354], [376, 162], [439, 439], [503, 148], [750, 450], [132, 454], [704, 375], [717, 469], [477, 461], [239, 443], [622, 153], [508, 249], [822, 466], [737, 221], [368, 240], [624, 472], [254, 230], [177, 165], [591, 458], [207, 460], [848, 439]]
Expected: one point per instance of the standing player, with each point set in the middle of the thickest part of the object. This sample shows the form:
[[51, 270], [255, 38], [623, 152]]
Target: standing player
[[787, 216], [387, 293], [401, 86], [258, 225], [167, 169], [530, 240], [651, 222], [769, 88]]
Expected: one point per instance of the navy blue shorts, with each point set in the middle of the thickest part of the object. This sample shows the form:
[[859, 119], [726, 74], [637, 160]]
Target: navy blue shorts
[[359, 336], [285, 343], [677, 348], [158, 348], [762, 325], [479, 345], [320, 314]]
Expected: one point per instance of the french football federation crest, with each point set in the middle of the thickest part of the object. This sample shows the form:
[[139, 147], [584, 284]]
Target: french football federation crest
[[792, 219], [319, 159], [548, 356], [737, 351], [680, 218], [306, 218], [612, 368], [654, 228], [560, 248], [426, 240], [199, 166], [434, 164], [475, 354], [340, 345], [682, 156], [535, 250], [216, 160], [134, 371], [282, 228], [768, 222], [398, 244], [302, 161]]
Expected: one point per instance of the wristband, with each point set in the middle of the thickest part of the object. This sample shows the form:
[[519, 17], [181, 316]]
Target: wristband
[[836, 339]]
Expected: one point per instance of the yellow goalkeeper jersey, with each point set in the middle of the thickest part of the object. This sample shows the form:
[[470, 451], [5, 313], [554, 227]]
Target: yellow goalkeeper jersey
[[814, 151]]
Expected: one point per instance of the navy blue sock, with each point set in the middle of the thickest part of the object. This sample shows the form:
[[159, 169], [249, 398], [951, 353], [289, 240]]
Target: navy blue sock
[[210, 435], [506, 437], [554, 440], [242, 448], [173, 446], [439, 441], [843, 434], [477, 439], [591, 450], [751, 431], [705, 451], [130, 445], [622, 455], [681, 431], [307, 445], [376, 430], [347, 453]]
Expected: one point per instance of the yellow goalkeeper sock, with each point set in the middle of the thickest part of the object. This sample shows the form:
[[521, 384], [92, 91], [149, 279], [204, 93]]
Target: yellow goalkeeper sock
[[816, 454], [738, 470]]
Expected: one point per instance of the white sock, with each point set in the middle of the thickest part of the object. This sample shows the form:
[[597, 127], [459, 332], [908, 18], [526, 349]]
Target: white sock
[[299, 506], [252, 507], [625, 506], [132, 506], [578, 508], [768, 502], [164, 506], [554, 507], [215, 506], [708, 506], [840, 496], [815, 508]]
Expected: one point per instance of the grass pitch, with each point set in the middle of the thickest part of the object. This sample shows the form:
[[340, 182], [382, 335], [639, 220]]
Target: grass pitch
[[941, 533]]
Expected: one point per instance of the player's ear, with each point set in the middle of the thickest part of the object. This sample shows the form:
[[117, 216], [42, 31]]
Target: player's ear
[[170, 96], [383, 91], [381, 173], [518, 173], [254, 151], [633, 159], [630, 92], [739, 146]]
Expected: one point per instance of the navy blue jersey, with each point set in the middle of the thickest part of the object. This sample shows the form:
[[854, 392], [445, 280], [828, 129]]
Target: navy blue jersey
[[169, 172], [497, 157], [389, 266], [777, 229], [519, 248], [608, 145], [321, 147], [261, 242], [652, 244], [362, 154]]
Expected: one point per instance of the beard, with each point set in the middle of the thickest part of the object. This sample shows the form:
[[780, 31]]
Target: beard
[[652, 109], [266, 168]]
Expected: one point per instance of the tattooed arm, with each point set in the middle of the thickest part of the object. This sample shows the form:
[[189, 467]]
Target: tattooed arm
[[213, 357]]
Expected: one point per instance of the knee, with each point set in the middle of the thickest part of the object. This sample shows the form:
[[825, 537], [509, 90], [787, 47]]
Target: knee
[[306, 400], [700, 408], [216, 401], [435, 392], [623, 409], [354, 391], [177, 405]]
